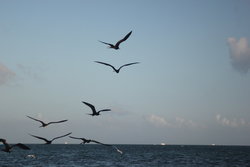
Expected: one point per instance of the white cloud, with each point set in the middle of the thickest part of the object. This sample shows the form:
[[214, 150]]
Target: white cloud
[[5, 74], [240, 54], [231, 123], [181, 122], [157, 120], [178, 122]]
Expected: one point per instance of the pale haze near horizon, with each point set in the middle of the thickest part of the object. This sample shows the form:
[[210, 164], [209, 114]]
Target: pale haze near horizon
[[192, 85]]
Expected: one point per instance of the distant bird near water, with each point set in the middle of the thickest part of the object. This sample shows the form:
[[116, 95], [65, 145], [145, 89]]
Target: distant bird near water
[[9, 147], [94, 112], [46, 124], [84, 141], [50, 141], [116, 70], [116, 46]]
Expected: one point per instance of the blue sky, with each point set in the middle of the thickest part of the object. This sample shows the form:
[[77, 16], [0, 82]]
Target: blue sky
[[191, 86]]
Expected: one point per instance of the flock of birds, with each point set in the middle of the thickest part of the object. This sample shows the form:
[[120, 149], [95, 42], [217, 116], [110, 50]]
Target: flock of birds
[[8, 147]]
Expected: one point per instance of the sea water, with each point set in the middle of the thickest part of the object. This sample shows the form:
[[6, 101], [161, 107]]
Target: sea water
[[75, 155]]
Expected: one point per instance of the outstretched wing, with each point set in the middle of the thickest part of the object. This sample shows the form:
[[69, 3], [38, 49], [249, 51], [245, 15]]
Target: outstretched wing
[[57, 121], [128, 64], [106, 64], [38, 137], [91, 106], [75, 137], [61, 136], [104, 110], [107, 43], [22, 146], [97, 142], [80, 138], [36, 119], [124, 39]]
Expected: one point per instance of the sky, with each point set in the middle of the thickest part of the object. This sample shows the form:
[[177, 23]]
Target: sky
[[192, 85]]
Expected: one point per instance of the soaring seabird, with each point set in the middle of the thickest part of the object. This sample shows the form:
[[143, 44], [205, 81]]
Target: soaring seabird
[[49, 141], [94, 141], [94, 112], [9, 147], [116, 46], [84, 141], [116, 70], [46, 124]]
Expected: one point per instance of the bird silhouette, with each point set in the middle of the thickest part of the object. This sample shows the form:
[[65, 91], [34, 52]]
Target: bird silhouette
[[49, 141], [46, 124], [116, 46], [9, 147], [94, 112], [116, 70], [84, 141]]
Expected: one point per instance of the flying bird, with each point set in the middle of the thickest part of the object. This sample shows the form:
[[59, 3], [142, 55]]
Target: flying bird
[[46, 124], [116, 46], [116, 70], [49, 141], [84, 141], [9, 147], [94, 112]]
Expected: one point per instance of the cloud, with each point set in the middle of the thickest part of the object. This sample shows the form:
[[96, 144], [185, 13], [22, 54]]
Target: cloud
[[5, 74], [240, 54], [231, 123], [178, 122], [181, 122], [157, 120]]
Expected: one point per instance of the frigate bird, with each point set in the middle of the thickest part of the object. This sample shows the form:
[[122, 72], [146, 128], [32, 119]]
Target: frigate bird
[[84, 141], [94, 112], [46, 124], [49, 141], [116, 46], [116, 70], [9, 147]]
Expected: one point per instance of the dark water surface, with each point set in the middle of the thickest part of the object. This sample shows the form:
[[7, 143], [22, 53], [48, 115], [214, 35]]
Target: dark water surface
[[133, 156]]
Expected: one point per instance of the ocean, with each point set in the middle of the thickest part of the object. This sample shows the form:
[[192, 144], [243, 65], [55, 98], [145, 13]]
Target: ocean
[[93, 155]]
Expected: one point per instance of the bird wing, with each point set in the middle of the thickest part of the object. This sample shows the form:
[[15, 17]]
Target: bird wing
[[94, 141], [38, 137], [61, 136], [57, 121], [36, 119], [106, 64], [22, 146], [124, 39], [128, 64], [104, 110], [107, 43], [80, 138], [91, 106]]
